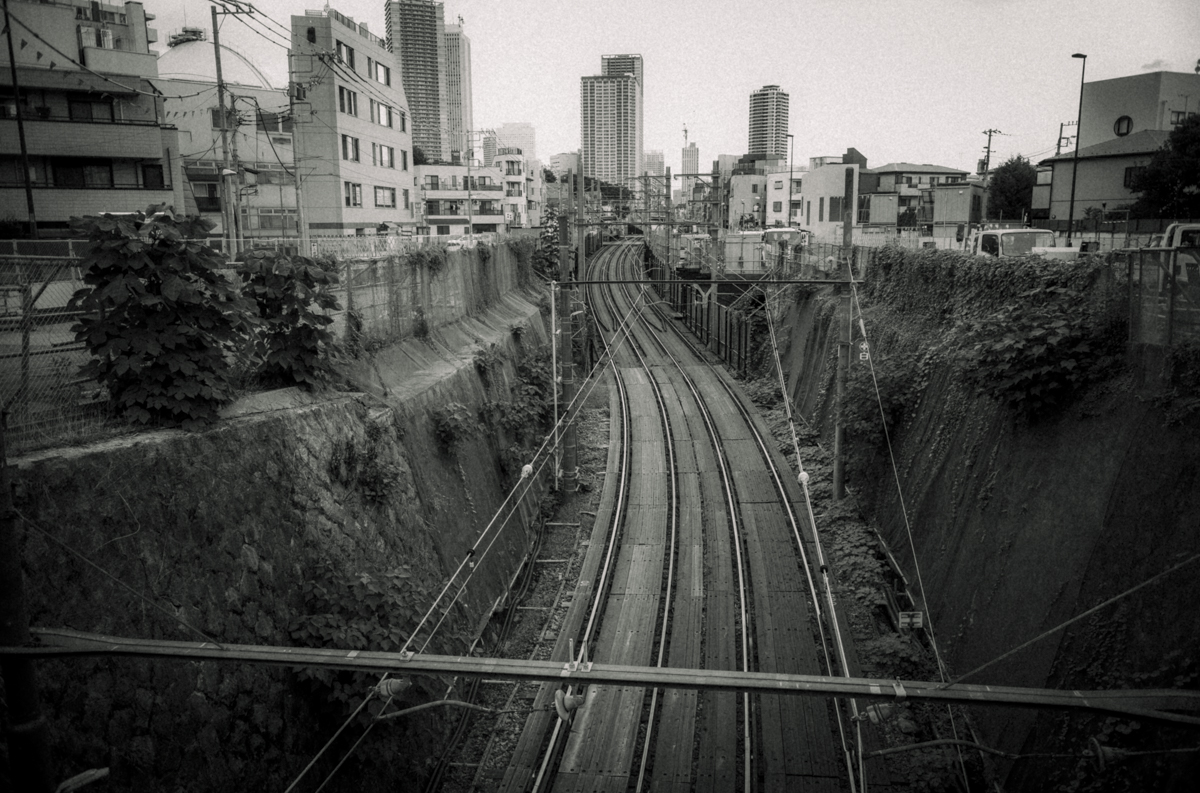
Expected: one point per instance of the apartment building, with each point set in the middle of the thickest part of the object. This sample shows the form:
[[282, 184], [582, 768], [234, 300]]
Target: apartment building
[[95, 134], [769, 121], [610, 107], [416, 37], [352, 128], [447, 206], [518, 135]]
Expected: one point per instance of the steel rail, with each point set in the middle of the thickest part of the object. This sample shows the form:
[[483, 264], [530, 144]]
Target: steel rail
[[740, 564], [1153, 704], [673, 511]]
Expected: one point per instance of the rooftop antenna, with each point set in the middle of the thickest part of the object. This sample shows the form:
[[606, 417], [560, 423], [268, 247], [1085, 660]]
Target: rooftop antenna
[[685, 134]]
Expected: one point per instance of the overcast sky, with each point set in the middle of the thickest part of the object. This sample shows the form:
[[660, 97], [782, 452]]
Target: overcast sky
[[899, 81]]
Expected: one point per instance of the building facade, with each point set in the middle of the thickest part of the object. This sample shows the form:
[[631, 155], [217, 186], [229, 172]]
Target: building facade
[[447, 206], [566, 161], [653, 163], [611, 120], [768, 121], [1124, 106], [456, 89], [259, 136], [95, 131], [352, 134], [415, 36]]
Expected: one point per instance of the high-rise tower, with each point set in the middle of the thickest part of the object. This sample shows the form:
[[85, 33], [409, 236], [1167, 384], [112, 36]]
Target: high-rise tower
[[456, 88], [769, 121], [610, 129], [691, 164], [415, 30]]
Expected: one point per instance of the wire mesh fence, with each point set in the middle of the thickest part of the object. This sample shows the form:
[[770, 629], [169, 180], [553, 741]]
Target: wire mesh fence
[[385, 294], [1164, 304]]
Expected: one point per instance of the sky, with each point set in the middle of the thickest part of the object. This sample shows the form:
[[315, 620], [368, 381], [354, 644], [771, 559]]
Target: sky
[[901, 82]]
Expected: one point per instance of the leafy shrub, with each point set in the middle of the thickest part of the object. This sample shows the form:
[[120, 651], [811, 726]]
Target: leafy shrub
[[485, 252], [901, 377], [488, 360], [292, 341], [452, 424], [527, 413], [158, 317], [420, 324], [1034, 353], [430, 258]]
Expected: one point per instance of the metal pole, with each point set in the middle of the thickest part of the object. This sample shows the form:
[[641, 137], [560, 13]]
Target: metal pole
[[226, 202], [470, 210], [236, 176], [670, 221], [570, 464], [28, 732], [839, 433], [301, 220], [1078, 140], [787, 220], [12, 63], [554, 339]]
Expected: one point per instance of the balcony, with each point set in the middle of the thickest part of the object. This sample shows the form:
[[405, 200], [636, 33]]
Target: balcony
[[63, 203], [108, 61], [52, 135]]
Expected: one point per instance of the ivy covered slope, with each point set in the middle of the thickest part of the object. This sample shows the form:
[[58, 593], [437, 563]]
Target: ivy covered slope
[[1037, 482]]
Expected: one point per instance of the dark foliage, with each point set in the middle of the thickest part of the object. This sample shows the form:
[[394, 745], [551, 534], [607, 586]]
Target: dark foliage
[[1010, 191], [1170, 184], [292, 342], [159, 318]]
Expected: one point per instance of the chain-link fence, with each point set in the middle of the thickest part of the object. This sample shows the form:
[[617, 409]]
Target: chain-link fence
[[1164, 301], [41, 389], [386, 294]]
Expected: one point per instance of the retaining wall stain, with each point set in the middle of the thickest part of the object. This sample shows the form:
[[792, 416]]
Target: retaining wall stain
[[224, 529]]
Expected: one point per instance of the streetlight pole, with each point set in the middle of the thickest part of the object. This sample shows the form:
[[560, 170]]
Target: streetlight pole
[[1078, 140]]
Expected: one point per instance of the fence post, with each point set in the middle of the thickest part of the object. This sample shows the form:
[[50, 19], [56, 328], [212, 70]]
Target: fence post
[[1172, 260], [26, 332]]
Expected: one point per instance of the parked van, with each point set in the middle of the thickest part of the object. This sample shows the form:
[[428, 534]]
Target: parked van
[[1019, 242]]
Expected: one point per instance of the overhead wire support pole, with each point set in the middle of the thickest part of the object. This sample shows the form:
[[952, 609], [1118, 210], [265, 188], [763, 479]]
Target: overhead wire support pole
[[301, 219], [12, 63], [987, 152], [843, 359]]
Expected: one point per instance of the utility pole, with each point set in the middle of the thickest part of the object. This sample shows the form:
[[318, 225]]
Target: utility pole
[[28, 739], [839, 432], [569, 459], [237, 190], [12, 63], [987, 152], [293, 90], [670, 223], [226, 198]]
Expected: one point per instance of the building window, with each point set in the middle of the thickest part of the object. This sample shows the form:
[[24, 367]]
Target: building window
[[443, 230], [753, 188], [350, 148], [379, 72], [1178, 117], [385, 197], [383, 156], [269, 122], [88, 109], [207, 196], [353, 194], [835, 208], [82, 173], [403, 160], [777, 206], [403, 128], [230, 118], [345, 54], [407, 205], [347, 101], [381, 114], [1122, 126], [431, 182], [1132, 173], [821, 209], [152, 177]]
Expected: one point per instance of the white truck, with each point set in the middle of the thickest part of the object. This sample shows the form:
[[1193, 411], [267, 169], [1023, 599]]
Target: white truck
[[1018, 242]]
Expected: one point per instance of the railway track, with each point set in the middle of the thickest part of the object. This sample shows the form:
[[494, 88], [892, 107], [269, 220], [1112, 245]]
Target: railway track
[[702, 557]]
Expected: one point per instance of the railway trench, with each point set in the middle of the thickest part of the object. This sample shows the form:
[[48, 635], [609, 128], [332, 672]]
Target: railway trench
[[706, 563]]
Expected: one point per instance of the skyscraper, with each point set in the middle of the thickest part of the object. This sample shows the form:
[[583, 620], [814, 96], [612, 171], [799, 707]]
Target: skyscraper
[[768, 121], [415, 31], [653, 163], [690, 164], [518, 134], [610, 129], [456, 88]]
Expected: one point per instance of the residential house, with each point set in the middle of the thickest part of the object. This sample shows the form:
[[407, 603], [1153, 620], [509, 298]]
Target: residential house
[[94, 129], [352, 126], [1106, 171]]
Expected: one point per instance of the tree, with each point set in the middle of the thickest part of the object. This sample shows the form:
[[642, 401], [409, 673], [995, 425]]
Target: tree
[[1010, 192], [548, 176], [1170, 183], [419, 157]]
